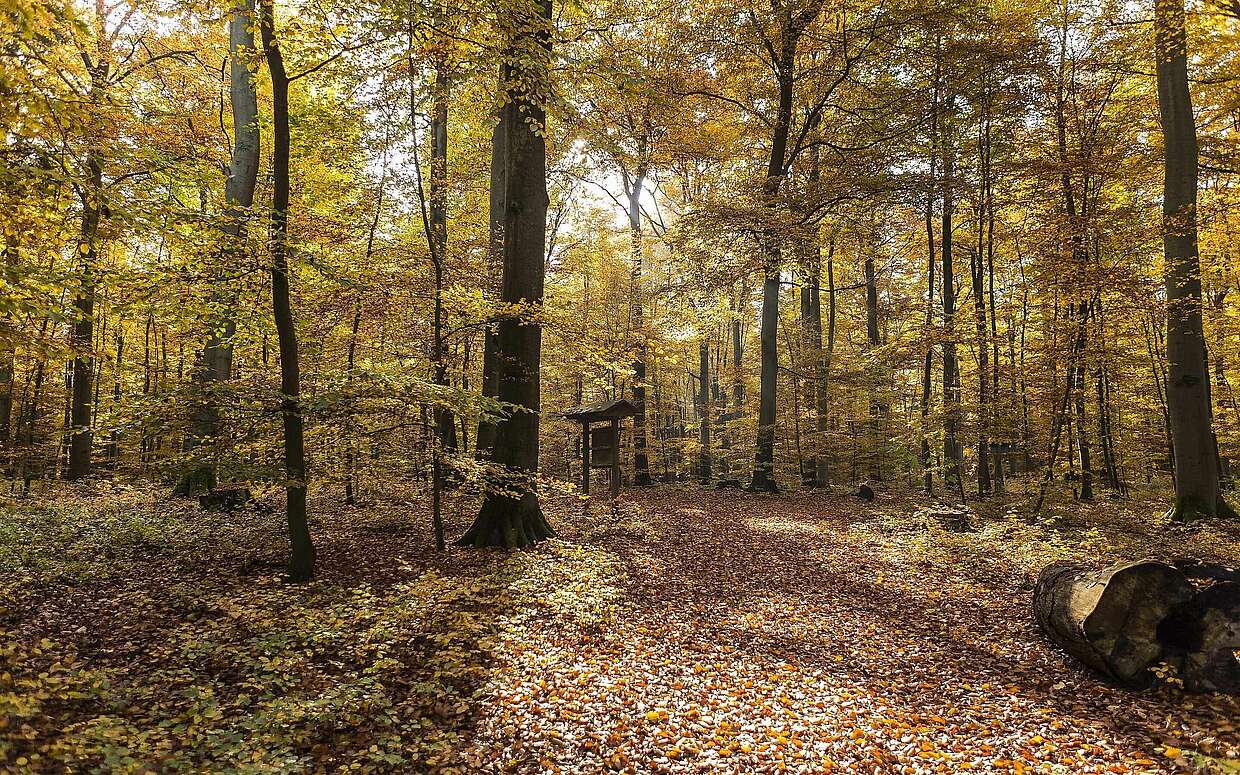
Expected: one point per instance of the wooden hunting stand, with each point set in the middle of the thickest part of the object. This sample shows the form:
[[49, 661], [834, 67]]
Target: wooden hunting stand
[[600, 447]]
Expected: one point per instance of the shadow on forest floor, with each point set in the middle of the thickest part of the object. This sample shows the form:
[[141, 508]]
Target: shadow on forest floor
[[810, 630], [681, 630]]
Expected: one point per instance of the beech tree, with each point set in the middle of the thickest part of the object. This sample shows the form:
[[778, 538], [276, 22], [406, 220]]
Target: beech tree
[[511, 515], [1197, 490], [301, 560]]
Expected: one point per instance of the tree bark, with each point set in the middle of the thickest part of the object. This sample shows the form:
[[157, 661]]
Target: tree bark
[[485, 437], [952, 453], [791, 28], [878, 406], [824, 375], [215, 361], [445, 425], [1109, 619], [641, 465], [83, 367], [301, 561], [978, 265], [704, 455], [1197, 491], [511, 515]]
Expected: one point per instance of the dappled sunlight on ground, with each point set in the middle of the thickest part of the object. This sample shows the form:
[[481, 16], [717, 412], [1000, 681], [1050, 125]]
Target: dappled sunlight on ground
[[786, 634], [681, 630]]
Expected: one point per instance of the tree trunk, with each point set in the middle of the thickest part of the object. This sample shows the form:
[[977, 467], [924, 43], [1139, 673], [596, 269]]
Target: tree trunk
[[738, 347], [704, 456], [6, 356], [511, 515], [80, 408], [878, 406], [978, 265], [485, 437], [824, 375], [215, 362], [301, 561], [763, 479], [114, 445], [1197, 491], [952, 453], [350, 474], [641, 465], [445, 425]]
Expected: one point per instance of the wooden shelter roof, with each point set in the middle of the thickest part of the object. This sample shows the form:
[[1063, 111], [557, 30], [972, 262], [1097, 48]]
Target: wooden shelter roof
[[605, 410]]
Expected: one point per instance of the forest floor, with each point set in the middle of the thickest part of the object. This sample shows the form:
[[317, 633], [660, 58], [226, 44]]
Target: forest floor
[[683, 630]]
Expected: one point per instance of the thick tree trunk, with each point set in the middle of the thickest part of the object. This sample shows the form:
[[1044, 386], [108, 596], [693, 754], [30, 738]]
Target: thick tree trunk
[[1197, 491], [485, 437], [301, 561], [1124, 620], [763, 479], [215, 362], [511, 515]]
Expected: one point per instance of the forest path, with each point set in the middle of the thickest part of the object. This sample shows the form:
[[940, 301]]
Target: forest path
[[814, 633], [686, 630]]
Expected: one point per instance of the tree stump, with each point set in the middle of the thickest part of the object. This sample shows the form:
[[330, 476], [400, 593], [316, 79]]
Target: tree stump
[[225, 499], [1109, 619], [951, 520]]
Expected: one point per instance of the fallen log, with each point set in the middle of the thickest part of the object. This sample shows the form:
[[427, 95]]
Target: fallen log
[[1201, 637], [1123, 620], [1109, 618]]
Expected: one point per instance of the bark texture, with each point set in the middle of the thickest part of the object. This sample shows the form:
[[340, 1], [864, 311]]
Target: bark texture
[[215, 361], [511, 515], [301, 560], [1109, 619], [1197, 491]]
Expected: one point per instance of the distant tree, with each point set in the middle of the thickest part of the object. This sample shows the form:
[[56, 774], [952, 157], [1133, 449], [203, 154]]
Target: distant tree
[[215, 361]]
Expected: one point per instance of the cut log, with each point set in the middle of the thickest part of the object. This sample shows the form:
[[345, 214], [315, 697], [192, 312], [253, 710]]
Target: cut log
[[1201, 637], [1208, 571], [1109, 619], [951, 520]]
